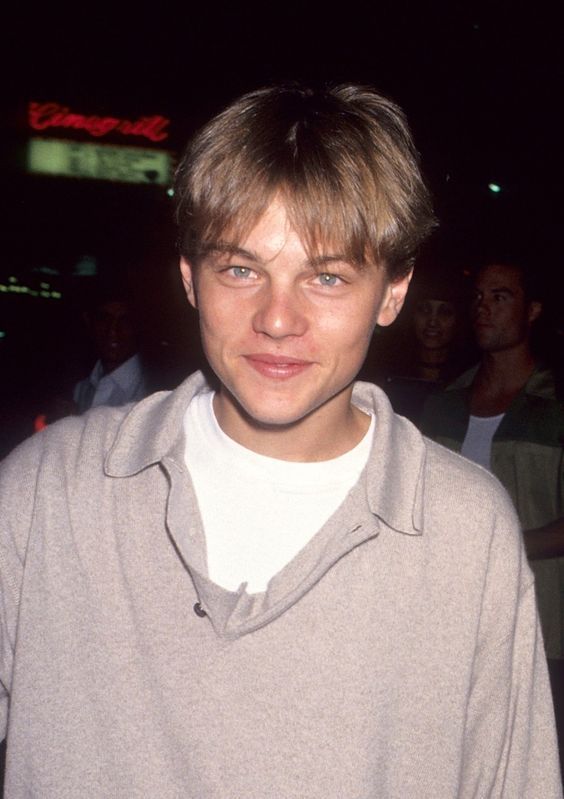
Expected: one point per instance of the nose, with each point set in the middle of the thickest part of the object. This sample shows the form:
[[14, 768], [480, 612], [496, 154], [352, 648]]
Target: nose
[[280, 313], [481, 307], [114, 328]]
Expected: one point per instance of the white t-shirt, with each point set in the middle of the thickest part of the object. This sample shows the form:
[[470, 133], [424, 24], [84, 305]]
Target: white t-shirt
[[259, 512], [477, 444]]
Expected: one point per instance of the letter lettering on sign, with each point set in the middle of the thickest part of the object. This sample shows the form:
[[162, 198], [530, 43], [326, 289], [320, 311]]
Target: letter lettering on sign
[[53, 115]]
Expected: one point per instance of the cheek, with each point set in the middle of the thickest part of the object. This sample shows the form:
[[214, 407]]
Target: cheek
[[356, 329], [218, 316], [341, 335], [419, 324], [449, 327], [214, 335]]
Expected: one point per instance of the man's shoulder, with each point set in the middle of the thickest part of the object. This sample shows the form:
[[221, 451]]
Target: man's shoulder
[[544, 393], [536, 415], [470, 523], [124, 438], [445, 413], [449, 494], [547, 383], [67, 440], [462, 486], [441, 459]]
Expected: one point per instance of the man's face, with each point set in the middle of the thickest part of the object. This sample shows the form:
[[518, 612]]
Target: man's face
[[501, 315], [286, 336], [113, 333]]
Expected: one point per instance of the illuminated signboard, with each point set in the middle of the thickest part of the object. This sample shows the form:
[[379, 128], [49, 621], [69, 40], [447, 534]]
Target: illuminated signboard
[[99, 161], [42, 116], [44, 290]]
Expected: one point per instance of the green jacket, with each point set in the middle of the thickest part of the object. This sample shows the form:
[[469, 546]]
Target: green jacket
[[528, 458]]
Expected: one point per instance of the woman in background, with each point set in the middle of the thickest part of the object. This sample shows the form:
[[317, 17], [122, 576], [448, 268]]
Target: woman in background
[[432, 341], [435, 327]]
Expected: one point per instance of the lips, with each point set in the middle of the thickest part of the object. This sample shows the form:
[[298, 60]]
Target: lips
[[433, 336], [278, 367]]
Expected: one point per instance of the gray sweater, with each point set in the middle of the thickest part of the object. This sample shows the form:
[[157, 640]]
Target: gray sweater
[[397, 656]]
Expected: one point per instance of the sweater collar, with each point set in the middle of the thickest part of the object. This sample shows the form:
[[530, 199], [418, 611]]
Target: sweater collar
[[152, 431]]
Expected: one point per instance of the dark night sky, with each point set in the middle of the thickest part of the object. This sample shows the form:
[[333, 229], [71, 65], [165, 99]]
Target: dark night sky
[[481, 82]]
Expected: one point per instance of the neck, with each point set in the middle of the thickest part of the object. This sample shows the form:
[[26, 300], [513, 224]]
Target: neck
[[425, 371], [432, 357], [430, 363], [507, 369], [325, 433]]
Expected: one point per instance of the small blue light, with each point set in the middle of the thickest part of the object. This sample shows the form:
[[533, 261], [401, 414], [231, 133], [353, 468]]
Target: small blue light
[[495, 188]]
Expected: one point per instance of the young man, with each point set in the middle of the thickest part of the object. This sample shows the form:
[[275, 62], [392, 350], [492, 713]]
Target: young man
[[265, 584]]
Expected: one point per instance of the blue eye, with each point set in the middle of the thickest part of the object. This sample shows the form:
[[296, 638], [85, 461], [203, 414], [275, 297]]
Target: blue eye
[[327, 279], [240, 271]]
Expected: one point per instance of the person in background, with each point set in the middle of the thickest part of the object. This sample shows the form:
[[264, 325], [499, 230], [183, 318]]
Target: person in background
[[118, 375], [435, 321], [507, 415], [432, 341]]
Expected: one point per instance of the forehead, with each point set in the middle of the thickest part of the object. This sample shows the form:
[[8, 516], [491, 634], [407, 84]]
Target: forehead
[[114, 307], [112, 310], [434, 304], [277, 231], [499, 276], [273, 231]]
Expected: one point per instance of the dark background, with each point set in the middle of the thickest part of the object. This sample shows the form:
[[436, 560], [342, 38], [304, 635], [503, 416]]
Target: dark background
[[481, 83]]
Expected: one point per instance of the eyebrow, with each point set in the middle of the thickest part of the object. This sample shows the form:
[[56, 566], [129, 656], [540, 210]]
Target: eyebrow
[[496, 289], [503, 290], [225, 248], [323, 260]]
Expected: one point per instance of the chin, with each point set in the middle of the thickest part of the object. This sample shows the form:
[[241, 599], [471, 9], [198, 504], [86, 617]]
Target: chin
[[274, 412], [272, 418]]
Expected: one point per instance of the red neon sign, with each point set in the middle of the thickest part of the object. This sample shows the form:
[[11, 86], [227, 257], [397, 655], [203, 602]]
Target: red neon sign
[[52, 115]]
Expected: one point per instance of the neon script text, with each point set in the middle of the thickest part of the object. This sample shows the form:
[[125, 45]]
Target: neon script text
[[52, 115]]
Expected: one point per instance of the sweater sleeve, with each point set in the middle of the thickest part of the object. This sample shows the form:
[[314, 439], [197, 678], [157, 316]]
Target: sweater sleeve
[[17, 490], [510, 740]]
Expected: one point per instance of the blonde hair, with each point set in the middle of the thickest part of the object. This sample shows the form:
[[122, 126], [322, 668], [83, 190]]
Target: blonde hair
[[342, 160]]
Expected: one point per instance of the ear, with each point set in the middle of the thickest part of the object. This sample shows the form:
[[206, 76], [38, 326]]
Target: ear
[[188, 281], [394, 297], [535, 310]]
